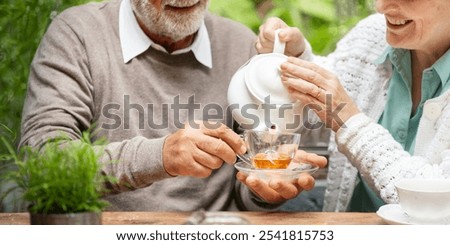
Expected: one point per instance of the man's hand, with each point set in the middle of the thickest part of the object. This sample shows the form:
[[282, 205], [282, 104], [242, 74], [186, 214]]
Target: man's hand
[[278, 191], [197, 151], [295, 42]]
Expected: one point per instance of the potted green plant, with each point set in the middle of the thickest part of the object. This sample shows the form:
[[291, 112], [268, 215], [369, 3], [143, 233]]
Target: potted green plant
[[61, 182]]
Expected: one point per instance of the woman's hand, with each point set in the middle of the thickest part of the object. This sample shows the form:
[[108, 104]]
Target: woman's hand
[[278, 191], [320, 89], [295, 43]]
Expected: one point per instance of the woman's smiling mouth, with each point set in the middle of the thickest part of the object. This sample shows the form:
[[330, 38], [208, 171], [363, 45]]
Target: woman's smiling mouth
[[397, 22]]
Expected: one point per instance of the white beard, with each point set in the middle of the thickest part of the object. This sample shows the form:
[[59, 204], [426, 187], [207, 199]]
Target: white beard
[[169, 23]]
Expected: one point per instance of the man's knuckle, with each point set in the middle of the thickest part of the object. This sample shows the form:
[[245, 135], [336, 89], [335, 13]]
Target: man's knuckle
[[204, 173], [218, 147], [217, 164]]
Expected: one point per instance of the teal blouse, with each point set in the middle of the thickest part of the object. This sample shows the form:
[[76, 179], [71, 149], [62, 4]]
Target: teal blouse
[[398, 117]]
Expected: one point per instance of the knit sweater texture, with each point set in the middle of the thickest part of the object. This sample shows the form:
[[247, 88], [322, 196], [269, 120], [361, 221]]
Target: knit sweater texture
[[78, 80], [365, 146]]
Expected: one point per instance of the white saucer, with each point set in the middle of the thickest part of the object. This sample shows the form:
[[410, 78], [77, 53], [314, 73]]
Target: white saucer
[[394, 215], [290, 174]]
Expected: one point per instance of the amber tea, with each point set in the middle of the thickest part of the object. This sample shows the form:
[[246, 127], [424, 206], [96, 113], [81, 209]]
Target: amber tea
[[269, 149], [265, 161]]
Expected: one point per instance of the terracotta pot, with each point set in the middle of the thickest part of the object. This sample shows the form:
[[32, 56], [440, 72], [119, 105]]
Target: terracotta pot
[[90, 218]]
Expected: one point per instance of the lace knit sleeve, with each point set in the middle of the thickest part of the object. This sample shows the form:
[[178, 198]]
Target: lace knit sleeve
[[380, 159]]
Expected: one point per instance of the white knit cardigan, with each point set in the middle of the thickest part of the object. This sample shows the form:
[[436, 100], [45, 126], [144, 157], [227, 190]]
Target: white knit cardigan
[[365, 146]]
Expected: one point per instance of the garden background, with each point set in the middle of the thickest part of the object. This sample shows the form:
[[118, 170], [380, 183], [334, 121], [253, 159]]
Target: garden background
[[23, 22]]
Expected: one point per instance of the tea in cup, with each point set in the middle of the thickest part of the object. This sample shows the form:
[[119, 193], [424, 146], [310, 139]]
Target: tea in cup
[[271, 161], [270, 149]]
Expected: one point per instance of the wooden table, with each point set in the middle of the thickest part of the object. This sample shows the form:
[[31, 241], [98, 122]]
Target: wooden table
[[255, 218]]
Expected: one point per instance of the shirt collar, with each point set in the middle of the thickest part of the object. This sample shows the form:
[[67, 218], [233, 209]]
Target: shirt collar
[[134, 41], [396, 55], [440, 66], [384, 56], [401, 60]]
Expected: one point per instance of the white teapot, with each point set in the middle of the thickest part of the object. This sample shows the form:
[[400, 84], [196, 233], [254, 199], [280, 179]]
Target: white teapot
[[257, 97]]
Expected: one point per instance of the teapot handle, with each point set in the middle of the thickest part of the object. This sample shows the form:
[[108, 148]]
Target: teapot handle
[[278, 47]]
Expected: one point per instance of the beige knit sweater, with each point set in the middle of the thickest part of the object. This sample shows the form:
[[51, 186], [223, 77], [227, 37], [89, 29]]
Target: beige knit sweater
[[78, 80]]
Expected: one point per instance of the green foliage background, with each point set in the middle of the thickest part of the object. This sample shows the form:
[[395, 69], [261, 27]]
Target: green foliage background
[[22, 24]]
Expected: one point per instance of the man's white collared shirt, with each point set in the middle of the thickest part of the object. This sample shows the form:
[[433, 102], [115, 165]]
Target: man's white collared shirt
[[134, 41]]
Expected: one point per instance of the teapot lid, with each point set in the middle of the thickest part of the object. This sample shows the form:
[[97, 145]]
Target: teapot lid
[[263, 79], [263, 75]]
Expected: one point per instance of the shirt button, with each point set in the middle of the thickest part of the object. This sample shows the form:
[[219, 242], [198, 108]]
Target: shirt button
[[401, 134], [432, 111]]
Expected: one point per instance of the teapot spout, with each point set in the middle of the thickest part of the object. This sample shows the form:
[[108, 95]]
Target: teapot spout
[[274, 128]]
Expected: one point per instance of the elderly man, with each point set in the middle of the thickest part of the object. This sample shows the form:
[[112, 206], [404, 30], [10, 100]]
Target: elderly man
[[151, 77]]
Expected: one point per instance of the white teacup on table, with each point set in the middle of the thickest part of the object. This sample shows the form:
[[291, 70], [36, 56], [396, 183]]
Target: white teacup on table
[[425, 201]]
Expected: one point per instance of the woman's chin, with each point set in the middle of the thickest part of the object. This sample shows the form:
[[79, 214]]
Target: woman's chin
[[397, 41]]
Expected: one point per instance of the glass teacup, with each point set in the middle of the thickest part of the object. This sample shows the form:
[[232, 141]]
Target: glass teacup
[[268, 149]]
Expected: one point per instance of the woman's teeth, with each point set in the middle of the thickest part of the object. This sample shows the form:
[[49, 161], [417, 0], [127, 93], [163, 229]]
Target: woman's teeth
[[399, 22]]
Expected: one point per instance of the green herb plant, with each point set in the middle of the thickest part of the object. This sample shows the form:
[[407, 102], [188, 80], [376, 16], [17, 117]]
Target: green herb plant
[[61, 177]]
